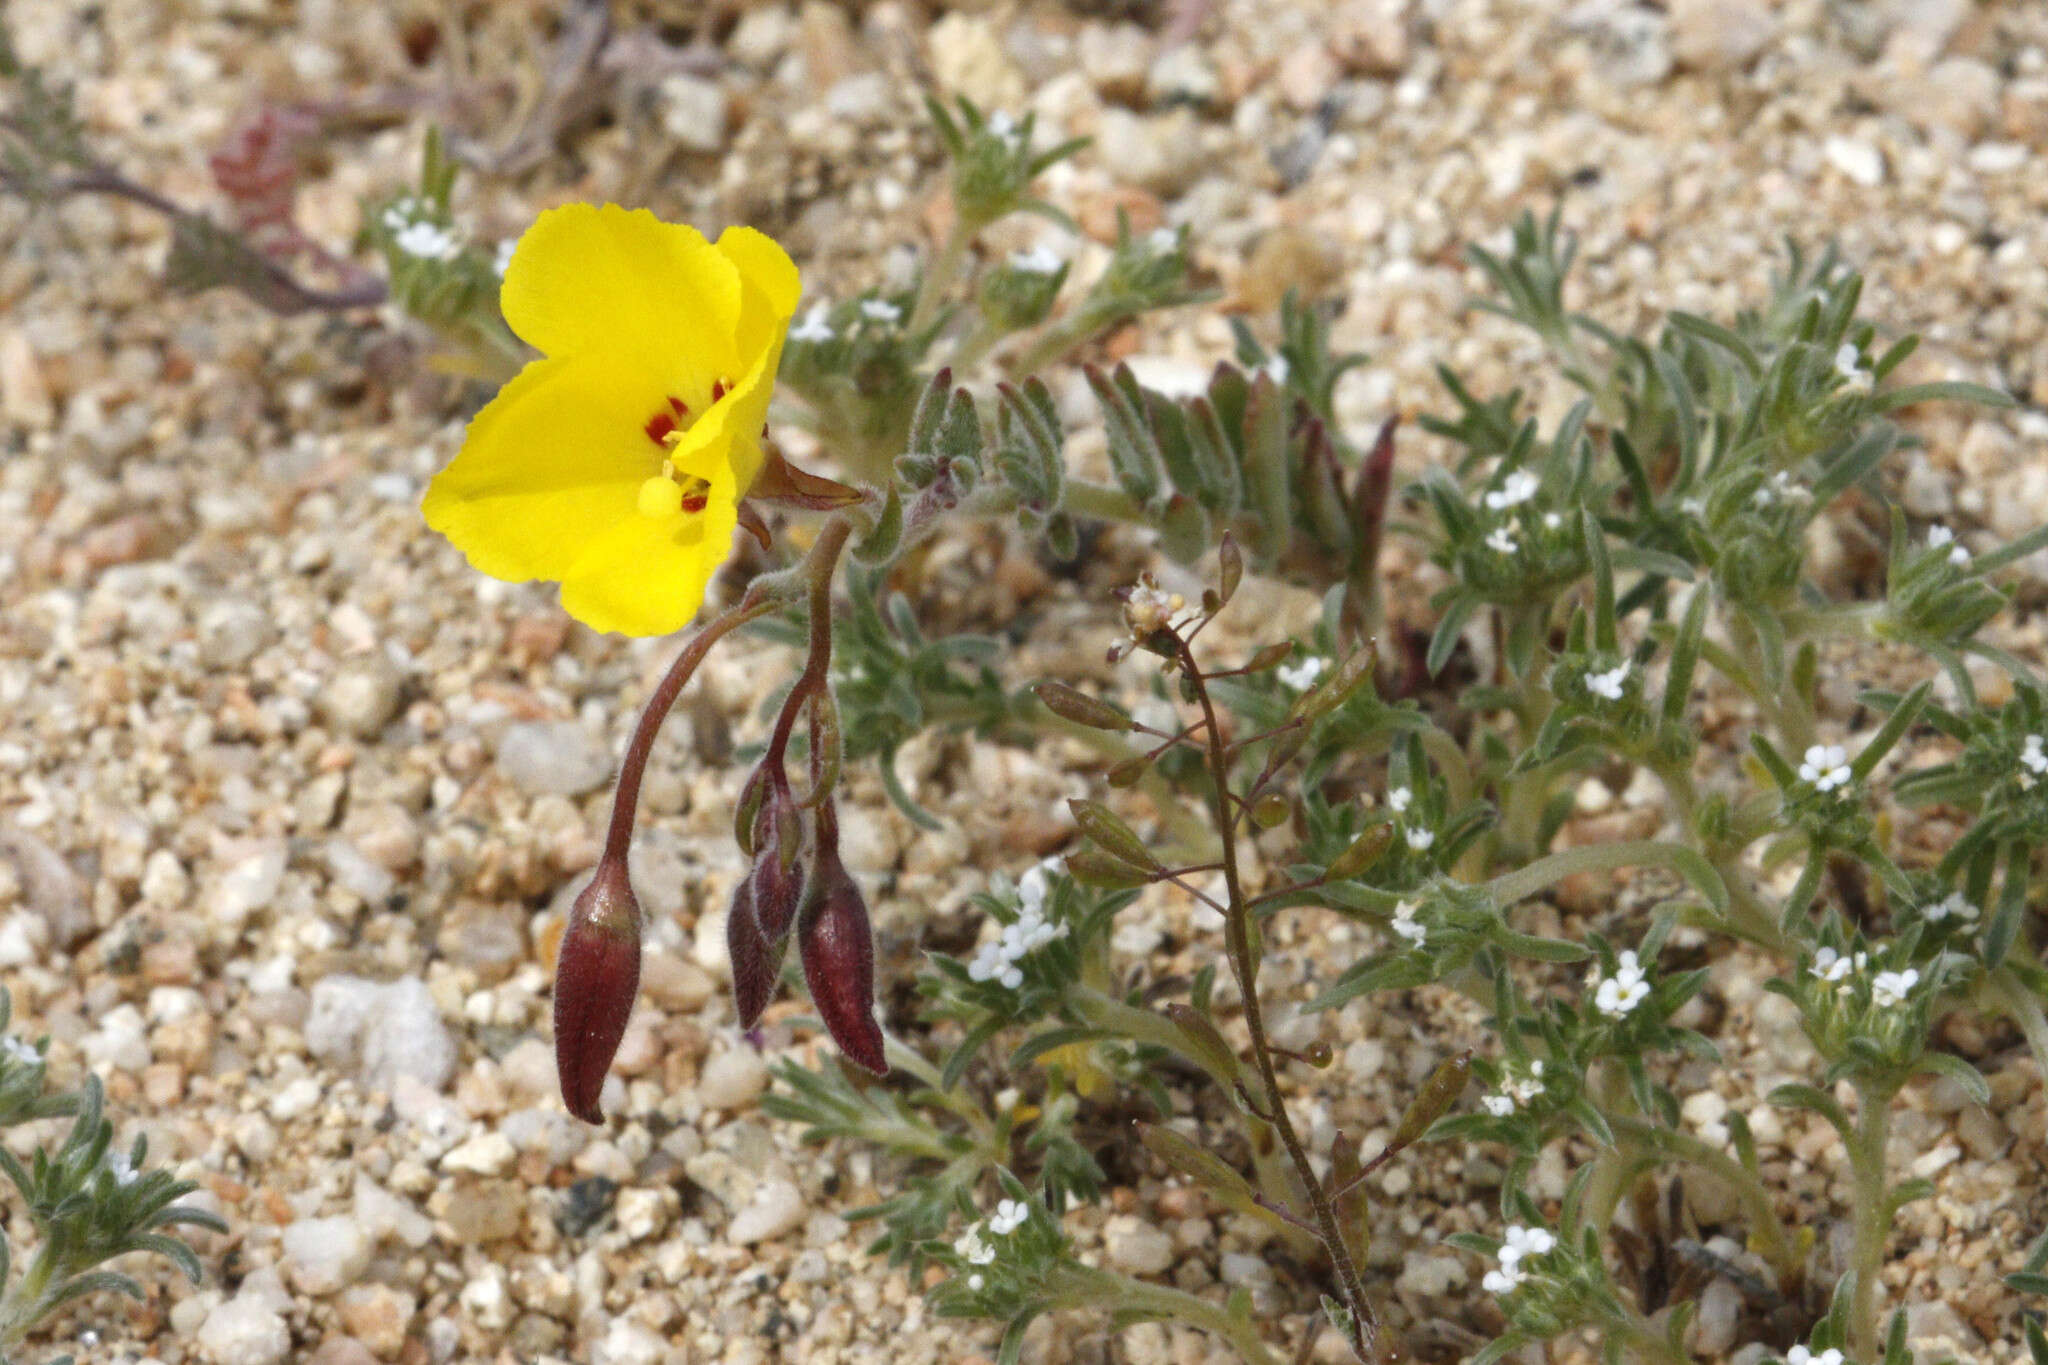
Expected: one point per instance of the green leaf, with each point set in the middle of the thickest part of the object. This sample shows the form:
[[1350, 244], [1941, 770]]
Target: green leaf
[[1955, 1068], [1907, 395]]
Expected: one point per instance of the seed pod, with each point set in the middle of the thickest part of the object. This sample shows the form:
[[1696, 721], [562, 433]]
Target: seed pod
[[1363, 852], [1270, 809], [1080, 708], [1112, 835], [838, 950], [597, 974], [1437, 1095]]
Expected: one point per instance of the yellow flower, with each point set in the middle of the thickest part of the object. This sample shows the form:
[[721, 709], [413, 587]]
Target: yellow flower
[[615, 463]]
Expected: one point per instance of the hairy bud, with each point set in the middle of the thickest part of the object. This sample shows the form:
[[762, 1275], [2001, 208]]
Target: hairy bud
[[597, 974], [756, 960], [838, 950], [779, 876]]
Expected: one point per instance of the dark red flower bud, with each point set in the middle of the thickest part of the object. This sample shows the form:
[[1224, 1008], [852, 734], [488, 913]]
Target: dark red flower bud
[[779, 876], [756, 961], [838, 950], [597, 975]]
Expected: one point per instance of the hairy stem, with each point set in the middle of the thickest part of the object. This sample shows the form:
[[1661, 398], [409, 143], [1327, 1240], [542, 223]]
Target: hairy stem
[[1873, 1214]]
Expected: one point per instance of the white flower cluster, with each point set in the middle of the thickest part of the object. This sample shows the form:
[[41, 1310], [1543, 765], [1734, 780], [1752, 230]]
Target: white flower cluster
[[1611, 683], [1887, 989], [813, 327], [1938, 536], [1039, 260], [1799, 1355], [1517, 488], [1616, 995], [880, 310], [19, 1051], [1826, 767], [1407, 926], [2033, 757], [997, 959], [1515, 1090], [1502, 541], [1849, 364], [1954, 906], [1521, 1243], [419, 237], [1002, 126], [1302, 676], [974, 1249], [1779, 489]]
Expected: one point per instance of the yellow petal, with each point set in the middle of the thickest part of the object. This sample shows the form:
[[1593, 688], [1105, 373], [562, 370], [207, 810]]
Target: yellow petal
[[549, 464], [600, 278], [769, 285], [726, 441], [646, 575]]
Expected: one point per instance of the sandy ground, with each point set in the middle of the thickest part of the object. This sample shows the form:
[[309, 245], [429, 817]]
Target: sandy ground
[[289, 798]]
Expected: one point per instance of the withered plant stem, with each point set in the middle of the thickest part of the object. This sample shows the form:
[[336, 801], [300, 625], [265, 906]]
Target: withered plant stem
[[1237, 933]]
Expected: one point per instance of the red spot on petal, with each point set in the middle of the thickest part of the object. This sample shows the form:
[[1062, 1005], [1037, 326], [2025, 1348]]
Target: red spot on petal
[[718, 389], [681, 408], [659, 426], [695, 503]]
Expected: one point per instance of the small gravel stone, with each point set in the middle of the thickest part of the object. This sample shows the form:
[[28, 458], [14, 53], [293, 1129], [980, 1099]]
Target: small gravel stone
[[362, 696], [232, 632], [732, 1079], [554, 758], [1136, 1247], [323, 1255], [694, 111], [245, 1330], [776, 1210], [485, 1154], [1719, 35], [384, 1032]]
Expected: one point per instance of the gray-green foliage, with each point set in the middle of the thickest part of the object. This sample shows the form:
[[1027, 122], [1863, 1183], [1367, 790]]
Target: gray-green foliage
[[89, 1203]]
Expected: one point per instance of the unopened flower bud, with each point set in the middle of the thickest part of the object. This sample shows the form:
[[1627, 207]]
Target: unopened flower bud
[[597, 974], [756, 961], [838, 950], [780, 872]]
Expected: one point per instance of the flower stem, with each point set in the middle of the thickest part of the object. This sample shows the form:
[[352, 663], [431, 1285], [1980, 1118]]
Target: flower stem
[[1244, 964], [1873, 1214], [1084, 1287], [940, 275]]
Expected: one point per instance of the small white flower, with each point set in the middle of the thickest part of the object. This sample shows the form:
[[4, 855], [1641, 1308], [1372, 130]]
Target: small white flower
[[1693, 507], [1147, 609], [19, 1051], [502, 260], [1799, 1355], [1829, 965], [1502, 541], [1527, 1242], [1302, 676], [2032, 755], [1398, 799], [813, 328], [1938, 536], [1503, 1281], [1609, 684], [1891, 988], [1616, 995], [1419, 838], [1954, 905], [1407, 926], [1276, 367], [1826, 767], [1001, 125], [427, 241], [975, 1281], [1517, 488], [1848, 360], [972, 1249], [1162, 240], [1039, 260], [1500, 1106], [1552, 520], [1010, 1215], [1780, 488], [118, 1167], [1522, 1089], [880, 310]]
